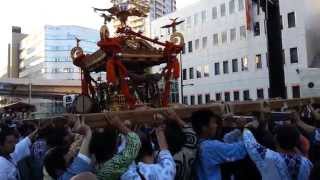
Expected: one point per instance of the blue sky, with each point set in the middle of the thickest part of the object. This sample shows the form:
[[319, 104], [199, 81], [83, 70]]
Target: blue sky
[[32, 14]]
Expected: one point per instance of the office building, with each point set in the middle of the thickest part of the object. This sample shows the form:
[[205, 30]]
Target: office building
[[223, 61], [46, 54], [13, 53]]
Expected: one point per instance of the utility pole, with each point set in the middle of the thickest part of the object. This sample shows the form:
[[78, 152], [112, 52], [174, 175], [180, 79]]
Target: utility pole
[[181, 79], [274, 38], [30, 91]]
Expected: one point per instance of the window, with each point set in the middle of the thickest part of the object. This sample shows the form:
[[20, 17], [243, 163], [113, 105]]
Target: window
[[243, 33], [206, 72], [66, 70], [215, 39], [174, 98], [199, 99], [185, 100], [281, 22], [246, 95], [257, 29], [267, 59], [191, 73], [199, 72], [216, 68], [286, 91], [225, 67], [235, 65], [231, 6], [291, 20], [241, 6], [218, 96], [233, 34], [195, 19], [223, 10], [294, 55], [207, 98], [204, 42], [236, 96], [295, 91], [184, 74], [203, 16], [190, 46], [224, 37], [244, 64], [260, 94], [197, 44], [214, 13], [227, 96], [192, 99], [258, 61]]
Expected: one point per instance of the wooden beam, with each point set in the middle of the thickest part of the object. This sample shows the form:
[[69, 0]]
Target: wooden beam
[[146, 116], [97, 120]]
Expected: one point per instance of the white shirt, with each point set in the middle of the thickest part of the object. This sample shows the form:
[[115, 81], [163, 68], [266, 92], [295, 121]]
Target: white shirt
[[164, 169], [8, 167]]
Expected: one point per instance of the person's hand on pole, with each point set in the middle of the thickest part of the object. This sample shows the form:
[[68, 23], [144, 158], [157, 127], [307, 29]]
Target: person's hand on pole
[[116, 122], [163, 145], [173, 116]]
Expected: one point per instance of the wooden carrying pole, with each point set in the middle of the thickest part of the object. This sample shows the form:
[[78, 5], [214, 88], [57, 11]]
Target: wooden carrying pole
[[97, 120]]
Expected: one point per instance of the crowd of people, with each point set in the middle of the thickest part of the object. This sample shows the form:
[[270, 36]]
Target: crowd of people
[[260, 145]]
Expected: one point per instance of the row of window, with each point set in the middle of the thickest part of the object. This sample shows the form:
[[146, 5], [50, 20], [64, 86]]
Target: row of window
[[68, 48], [205, 99], [218, 38], [58, 59], [204, 71], [223, 12], [214, 13], [60, 70]]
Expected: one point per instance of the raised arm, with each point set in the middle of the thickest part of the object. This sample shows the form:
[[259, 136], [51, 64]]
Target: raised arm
[[233, 136], [118, 164], [219, 152], [22, 148], [82, 162], [256, 151], [191, 136], [165, 162]]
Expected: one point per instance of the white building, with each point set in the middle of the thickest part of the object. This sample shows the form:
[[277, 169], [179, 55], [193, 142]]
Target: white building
[[224, 61], [46, 54]]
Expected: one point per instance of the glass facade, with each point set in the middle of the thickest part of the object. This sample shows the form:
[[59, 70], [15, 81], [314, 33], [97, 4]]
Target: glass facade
[[158, 8], [46, 55]]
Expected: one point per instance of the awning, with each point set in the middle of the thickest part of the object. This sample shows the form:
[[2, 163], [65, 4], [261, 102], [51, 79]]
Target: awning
[[18, 107]]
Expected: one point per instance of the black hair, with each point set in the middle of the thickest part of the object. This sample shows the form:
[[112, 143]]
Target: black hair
[[5, 132], [287, 137], [26, 129], [103, 144], [146, 146], [54, 161], [60, 121], [315, 172], [175, 137], [45, 132], [202, 118], [56, 136]]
